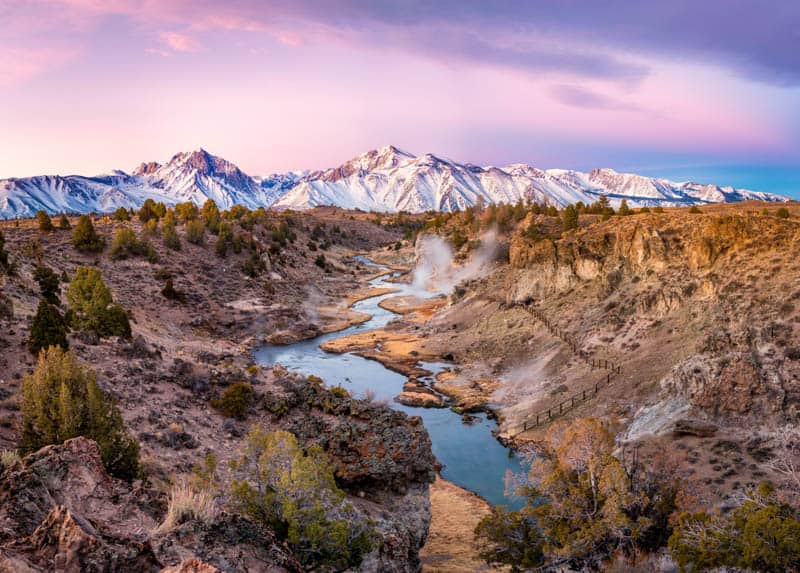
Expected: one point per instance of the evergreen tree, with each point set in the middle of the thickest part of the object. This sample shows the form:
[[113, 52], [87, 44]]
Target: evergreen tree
[[63, 223], [170, 233], [624, 210], [48, 329], [121, 214], [48, 283], [195, 232], [570, 218], [61, 400], [147, 211], [85, 238], [90, 305], [4, 262], [210, 215], [45, 224]]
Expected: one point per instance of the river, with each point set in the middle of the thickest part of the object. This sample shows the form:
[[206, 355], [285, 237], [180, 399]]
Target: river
[[471, 457]]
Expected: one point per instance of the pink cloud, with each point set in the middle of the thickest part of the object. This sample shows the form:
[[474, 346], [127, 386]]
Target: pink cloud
[[17, 65], [180, 42]]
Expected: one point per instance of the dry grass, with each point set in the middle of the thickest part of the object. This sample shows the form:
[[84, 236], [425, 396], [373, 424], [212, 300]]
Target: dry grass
[[9, 458], [187, 503]]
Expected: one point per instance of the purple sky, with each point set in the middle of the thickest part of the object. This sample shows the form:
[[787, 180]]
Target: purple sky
[[682, 88]]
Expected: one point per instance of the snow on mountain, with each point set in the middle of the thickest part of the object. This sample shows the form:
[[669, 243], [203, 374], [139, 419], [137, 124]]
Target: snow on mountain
[[386, 179], [389, 179]]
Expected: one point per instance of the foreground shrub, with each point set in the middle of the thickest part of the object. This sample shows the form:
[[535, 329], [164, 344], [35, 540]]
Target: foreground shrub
[[235, 401], [122, 214], [294, 493], [85, 238], [61, 400], [782, 213], [584, 506], [91, 307], [48, 328], [762, 534]]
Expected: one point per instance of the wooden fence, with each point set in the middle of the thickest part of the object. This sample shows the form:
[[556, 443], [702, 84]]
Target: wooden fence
[[547, 415]]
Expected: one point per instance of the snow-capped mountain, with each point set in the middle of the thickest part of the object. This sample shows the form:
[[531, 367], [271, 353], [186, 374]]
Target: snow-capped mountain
[[386, 179], [390, 179]]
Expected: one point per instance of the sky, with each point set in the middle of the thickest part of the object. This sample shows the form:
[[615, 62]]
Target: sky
[[703, 90]]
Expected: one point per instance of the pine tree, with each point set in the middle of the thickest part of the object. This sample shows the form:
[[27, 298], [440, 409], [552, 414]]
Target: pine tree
[[570, 218], [45, 224], [624, 210], [48, 329], [61, 400], [85, 238], [48, 283], [4, 264], [63, 223]]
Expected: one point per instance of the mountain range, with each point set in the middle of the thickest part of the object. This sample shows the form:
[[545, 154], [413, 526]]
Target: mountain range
[[386, 179]]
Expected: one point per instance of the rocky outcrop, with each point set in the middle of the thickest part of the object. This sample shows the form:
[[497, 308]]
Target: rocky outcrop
[[378, 454], [60, 511], [372, 447]]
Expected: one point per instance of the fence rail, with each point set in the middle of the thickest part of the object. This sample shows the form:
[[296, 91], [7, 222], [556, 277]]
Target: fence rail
[[547, 415]]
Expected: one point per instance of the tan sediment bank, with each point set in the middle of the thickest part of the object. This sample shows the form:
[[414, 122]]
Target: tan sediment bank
[[450, 548]]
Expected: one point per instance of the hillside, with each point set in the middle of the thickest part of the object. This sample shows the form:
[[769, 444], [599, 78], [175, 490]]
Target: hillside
[[188, 347], [699, 311]]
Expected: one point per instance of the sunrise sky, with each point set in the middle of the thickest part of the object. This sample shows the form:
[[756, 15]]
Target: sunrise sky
[[704, 90]]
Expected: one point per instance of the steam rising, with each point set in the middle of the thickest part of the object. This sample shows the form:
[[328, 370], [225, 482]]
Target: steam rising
[[437, 271]]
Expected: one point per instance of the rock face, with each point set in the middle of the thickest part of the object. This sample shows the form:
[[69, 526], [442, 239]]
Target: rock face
[[60, 511], [376, 452]]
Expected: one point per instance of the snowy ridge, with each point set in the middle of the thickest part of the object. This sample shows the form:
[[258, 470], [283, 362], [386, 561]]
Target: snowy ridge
[[386, 179]]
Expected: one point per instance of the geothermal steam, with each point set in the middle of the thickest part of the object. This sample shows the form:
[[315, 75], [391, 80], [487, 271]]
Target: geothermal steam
[[437, 271]]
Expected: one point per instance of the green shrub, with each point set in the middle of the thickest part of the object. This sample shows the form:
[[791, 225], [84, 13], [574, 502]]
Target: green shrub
[[694, 210], [151, 228], [624, 210], [224, 239], [48, 328], [91, 307], [320, 261], [186, 212], [762, 534], [45, 224], [48, 283], [235, 401], [4, 262], [121, 214], [210, 215], [195, 232], [63, 223], [85, 238], [61, 400], [170, 235], [294, 493], [126, 244], [782, 213], [658, 209]]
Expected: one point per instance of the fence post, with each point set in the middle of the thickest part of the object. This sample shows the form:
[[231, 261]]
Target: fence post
[[584, 395], [608, 379]]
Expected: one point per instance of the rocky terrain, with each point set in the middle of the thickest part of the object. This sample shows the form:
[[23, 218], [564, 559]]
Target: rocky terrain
[[59, 507], [699, 310]]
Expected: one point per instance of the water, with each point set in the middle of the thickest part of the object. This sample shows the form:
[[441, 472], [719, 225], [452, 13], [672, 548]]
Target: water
[[471, 456]]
